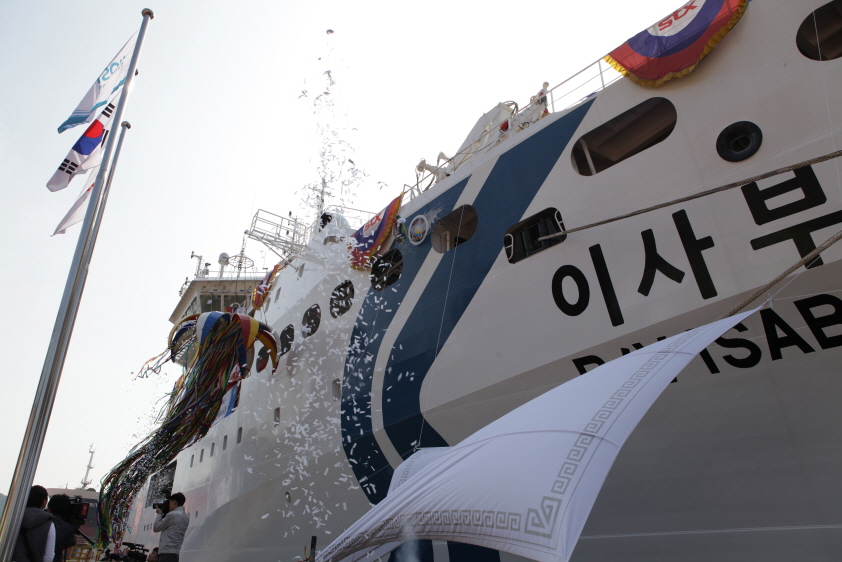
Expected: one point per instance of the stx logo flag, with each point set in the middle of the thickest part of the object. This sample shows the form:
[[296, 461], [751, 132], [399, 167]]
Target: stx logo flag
[[675, 45]]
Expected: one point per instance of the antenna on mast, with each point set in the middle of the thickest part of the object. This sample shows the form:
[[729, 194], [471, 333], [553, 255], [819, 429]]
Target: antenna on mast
[[321, 193], [86, 481]]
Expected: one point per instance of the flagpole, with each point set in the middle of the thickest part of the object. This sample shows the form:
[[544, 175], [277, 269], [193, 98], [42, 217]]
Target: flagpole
[[45, 394]]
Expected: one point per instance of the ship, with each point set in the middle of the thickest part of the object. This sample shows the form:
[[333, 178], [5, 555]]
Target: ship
[[492, 296]]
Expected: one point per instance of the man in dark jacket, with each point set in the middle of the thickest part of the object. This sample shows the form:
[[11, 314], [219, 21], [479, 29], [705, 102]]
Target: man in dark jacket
[[59, 506], [33, 544]]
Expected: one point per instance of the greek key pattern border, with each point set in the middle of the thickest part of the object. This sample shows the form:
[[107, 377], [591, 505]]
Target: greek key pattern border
[[540, 521]]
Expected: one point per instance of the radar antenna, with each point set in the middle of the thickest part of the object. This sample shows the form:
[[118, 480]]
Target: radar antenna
[[86, 481]]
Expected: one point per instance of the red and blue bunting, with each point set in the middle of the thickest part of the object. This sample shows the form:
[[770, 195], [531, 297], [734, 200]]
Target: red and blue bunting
[[373, 234], [675, 45]]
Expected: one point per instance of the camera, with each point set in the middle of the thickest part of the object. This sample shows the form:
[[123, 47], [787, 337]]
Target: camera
[[164, 506], [78, 512]]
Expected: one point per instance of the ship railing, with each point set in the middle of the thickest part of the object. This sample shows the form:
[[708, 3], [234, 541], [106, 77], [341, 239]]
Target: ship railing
[[231, 273], [569, 93], [285, 236], [355, 217]]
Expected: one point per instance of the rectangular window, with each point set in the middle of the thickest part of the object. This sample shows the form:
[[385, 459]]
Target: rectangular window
[[194, 308], [624, 136], [277, 417], [213, 446], [240, 435], [231, 300], [192, 458], [210, 302], [224, 442], [524, 239], [201, 455]]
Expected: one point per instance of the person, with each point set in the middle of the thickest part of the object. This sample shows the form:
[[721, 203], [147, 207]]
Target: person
[[60, 506], [37, 537], [172, 527]]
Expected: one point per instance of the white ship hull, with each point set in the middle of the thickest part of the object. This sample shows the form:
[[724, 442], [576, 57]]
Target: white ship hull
[[739, 459]]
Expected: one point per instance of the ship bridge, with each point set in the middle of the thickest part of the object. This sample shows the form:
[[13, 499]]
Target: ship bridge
[[219, 290]]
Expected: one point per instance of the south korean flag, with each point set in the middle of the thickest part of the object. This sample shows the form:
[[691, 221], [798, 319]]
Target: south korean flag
[[86, 153]]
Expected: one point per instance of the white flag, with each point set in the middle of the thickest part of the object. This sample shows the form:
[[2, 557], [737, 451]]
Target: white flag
[[107, 84], [77, 211], [86, 153]]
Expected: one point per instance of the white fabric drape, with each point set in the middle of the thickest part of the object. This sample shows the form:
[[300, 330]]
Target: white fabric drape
[[526, 483]]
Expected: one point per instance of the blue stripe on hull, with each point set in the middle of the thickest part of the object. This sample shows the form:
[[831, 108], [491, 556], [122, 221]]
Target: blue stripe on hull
[[510, 188], [372, 470]]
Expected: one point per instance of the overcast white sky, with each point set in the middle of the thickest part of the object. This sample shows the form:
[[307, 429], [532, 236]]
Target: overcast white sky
[[218, 132]]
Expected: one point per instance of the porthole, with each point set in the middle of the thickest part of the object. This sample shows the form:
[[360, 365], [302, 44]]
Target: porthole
[[341, 298], [628, 134], [453, 229], [262, 359], [386, 269], [739, 141], [824, 43], [286, 339], [310, 322]]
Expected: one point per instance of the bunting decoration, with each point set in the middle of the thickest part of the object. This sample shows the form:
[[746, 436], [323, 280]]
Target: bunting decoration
[[222, 343], [262, 289], [372, 235], [674, 46]]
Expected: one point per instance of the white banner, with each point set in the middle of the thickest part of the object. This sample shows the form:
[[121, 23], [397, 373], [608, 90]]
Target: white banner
[[77, 211], [108, 83], [526, 483]]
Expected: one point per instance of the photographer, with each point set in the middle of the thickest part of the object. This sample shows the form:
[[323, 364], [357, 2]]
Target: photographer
[[172, 525], [59, 506]]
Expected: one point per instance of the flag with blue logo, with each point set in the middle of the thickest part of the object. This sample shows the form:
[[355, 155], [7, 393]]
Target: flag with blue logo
[[107, 84], [86, 153]]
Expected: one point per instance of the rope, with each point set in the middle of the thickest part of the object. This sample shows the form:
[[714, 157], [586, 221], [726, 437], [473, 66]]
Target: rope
[[824, 158], [806, 259]]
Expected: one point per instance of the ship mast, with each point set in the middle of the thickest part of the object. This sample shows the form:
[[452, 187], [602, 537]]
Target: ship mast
[[86, 480]]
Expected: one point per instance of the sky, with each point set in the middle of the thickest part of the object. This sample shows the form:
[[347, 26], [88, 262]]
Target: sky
[[221, 128]]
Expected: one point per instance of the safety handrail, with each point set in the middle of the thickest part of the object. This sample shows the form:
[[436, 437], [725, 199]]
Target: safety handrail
[[603, 72]]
